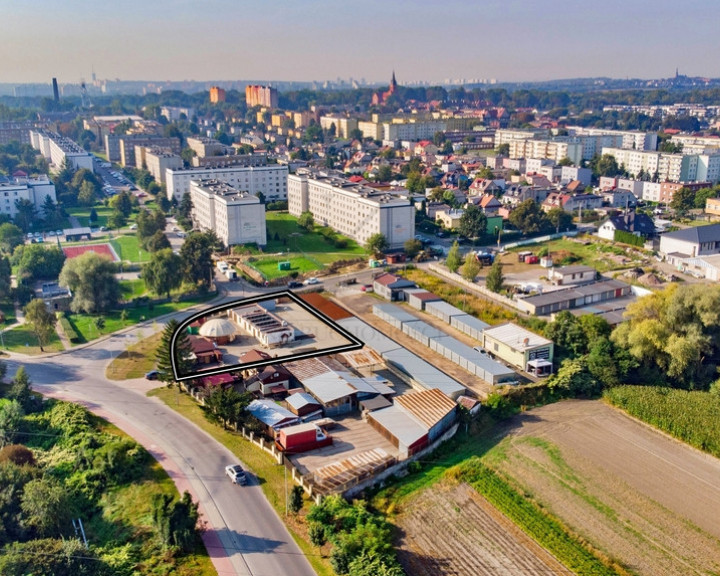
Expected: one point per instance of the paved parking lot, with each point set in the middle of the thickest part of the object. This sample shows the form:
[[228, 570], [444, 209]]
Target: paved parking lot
[[351, 435]]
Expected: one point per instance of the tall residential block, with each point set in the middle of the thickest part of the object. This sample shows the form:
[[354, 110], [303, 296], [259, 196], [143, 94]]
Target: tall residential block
[[256, 95]]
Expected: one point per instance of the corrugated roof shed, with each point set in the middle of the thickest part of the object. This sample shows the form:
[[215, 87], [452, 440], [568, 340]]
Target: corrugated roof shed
[[442, 309], [401, 425], [270, 413], [394, 312], [300, 400], [423, 373], [328, 387], [428, 406], [515, 336], [369, 335]]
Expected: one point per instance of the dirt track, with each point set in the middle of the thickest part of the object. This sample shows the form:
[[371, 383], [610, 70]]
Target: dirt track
[[643, 498]]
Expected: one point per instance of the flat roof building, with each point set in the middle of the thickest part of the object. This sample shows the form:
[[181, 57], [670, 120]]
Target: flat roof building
[[353, 209], [271, 181], [34, 190], [236, 217], [516, 345], [57, 149]]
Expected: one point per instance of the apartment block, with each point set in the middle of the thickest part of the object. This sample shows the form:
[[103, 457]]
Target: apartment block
[[352, 209], [57, 149], [128, 142], [412, 130], [158, 160], [227, 160], [256, 95], [15, 131], [203, 146], [271, 180], [236, 217], [343, 126], [217, 94], [668, 167], [33, 190]]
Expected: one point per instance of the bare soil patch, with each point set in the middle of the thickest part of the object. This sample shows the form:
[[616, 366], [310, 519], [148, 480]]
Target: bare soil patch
[[451, 529], [639, 496]]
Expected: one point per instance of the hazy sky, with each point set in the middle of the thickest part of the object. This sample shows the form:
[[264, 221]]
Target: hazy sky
[[323, 39]]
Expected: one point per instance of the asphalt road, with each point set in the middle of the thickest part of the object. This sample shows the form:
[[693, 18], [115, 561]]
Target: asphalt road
[[244, 534]]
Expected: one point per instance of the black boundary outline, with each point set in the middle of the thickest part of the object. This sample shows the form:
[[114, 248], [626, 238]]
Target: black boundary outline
[[355, 343]]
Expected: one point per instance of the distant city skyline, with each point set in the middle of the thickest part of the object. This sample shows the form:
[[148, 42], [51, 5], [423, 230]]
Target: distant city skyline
[[318, 40]]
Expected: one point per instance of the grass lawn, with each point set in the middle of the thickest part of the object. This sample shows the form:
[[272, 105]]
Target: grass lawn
[[128, 248], [8, 310], [16, 339], [83, 214], [84, 324], [135, 361], [269, 266], [132, 288], [270, 474], [297, 239], [594, 254]]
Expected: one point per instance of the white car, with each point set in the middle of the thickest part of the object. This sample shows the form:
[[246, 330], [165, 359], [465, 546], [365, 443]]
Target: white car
[[133, 227], [181, 234], [311, 281], [236, 474]]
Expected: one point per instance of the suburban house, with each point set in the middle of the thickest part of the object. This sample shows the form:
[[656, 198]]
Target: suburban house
[[391, 287], [520, 347], [269, 380], [488, 203], [322, 378], [712, 206], [691, 242], [450, 219], [517, 194], [204, 351], [570, 203], [572, 275], [632, 222], [619, 198]]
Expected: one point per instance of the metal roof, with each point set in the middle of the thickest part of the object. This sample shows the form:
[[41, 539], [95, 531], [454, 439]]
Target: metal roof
[[574, 293], [270, 413], [489, 365], [394, 312], [471, 321], [578, 269], [301, 399], [428, 406], [443, 308], [424, 328], [423, 373], [328, 387], [514, 336], [696, 234], [400, 424], [368, 335]]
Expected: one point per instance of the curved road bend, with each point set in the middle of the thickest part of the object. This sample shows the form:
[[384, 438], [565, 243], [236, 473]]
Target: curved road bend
[[244, 535]]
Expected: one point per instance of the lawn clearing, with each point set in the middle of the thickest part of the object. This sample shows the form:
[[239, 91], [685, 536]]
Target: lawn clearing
[[21, 339], [271, 475], [87, 329], [134, 362], [299, 264], [83, 215], [132, 288], [128, 248], [291, 237], [8, 311]]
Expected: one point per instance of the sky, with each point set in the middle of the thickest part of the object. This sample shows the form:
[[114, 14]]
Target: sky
[[304, 40]]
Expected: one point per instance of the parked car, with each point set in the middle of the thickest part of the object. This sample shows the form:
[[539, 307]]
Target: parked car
[[58, 232], [152, 375], [181, 234], [366, 288], [236, 474], [133, 226], [294, 284], [311, 281]]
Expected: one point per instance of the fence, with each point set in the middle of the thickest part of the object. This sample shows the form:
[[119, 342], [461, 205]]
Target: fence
[[489, 294]]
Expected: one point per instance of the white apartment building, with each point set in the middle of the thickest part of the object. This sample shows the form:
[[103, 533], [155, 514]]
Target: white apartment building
[[354, 210], [628, 139], [669, 167], [508, 136], [271, 180], [372, 130], [412, 130], [158, 161], [236, 217], [203, 146], [34, 190], [555, 150], [57, 149]]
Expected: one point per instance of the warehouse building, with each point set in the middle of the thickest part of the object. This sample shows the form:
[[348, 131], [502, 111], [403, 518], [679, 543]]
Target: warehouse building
[[518, 346], [577, 297]]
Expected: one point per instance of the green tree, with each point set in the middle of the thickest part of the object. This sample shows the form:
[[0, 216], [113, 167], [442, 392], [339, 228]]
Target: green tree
[[184, 212], [25, 214], [495, 279], [529, 218], [683, 201], [296, 499], [35, 262], [11, 236], [565, 161], [573, 378], [567, 333], [161, 273], [5, 278], [52, 556], [51, 212], [86, 195], [196, 254], [93, 217], [228, 405], [559, 219], [702, 195], [175, 521], [122, 203], [453, 259], [377, 244], [306, 221], [384, 173], [158, 241], [91, 278], [470, 268], [473, 222], [116, 220], [47, 507], [40, 321], [503, 150], [412, 247], [11, 415], [604, 165], [182, 351], [437, 194]]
